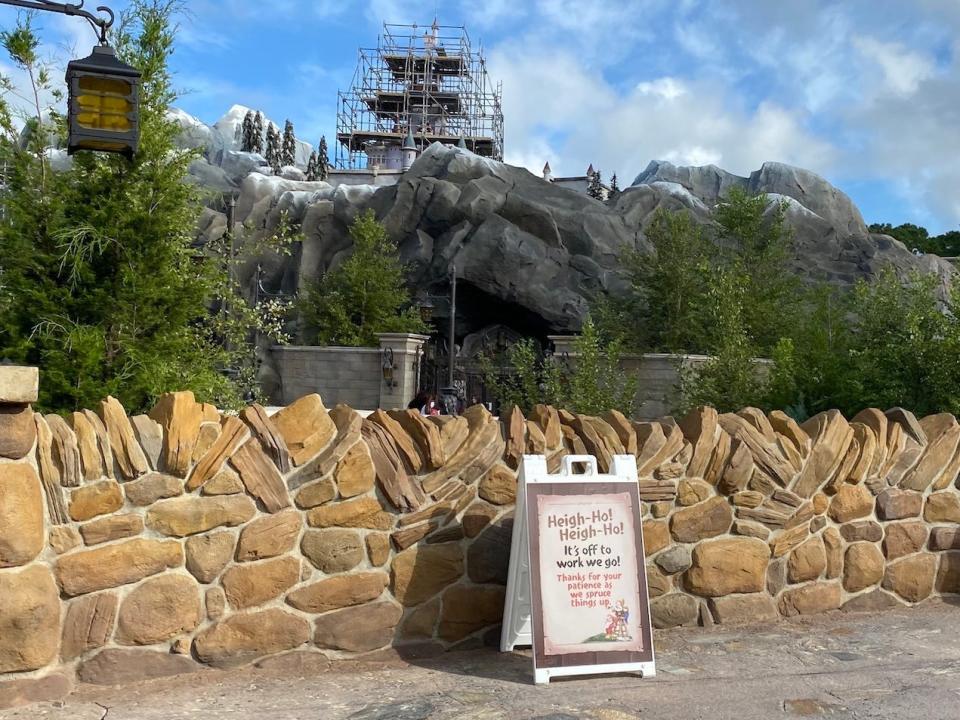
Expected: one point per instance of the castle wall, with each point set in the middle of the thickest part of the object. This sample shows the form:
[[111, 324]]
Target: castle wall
[[187, 538]]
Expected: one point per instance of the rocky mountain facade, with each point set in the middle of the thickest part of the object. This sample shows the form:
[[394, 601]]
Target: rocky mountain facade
[[188, 539], [526, 252]]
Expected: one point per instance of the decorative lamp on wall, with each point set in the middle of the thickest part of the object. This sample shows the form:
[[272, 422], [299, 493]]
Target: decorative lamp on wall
[[426, 309], [103, 104], [388, 368]]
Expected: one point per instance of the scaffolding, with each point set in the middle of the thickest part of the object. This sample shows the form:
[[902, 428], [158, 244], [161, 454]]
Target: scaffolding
[[432, 84]]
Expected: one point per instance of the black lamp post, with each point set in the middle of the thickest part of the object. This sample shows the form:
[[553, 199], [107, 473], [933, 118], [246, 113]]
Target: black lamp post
[[426, 307], [102, 91]]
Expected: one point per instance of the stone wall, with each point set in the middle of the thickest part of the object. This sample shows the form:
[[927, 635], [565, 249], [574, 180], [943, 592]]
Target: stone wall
[[132, 547], [343, 374], [350, 375]]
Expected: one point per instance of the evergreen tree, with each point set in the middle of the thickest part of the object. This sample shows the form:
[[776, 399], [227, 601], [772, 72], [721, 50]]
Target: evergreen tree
[[614, 187], [106, 292], [272, 153], [366, 294], [256, 140], [312, 172], [323, 164], [288, 150], [246, 137], [594, 186]]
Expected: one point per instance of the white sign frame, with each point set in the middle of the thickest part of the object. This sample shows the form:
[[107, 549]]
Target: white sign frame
[[517, 629]]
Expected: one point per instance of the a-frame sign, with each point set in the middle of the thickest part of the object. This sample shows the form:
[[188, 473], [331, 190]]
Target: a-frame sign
[[577, 586]]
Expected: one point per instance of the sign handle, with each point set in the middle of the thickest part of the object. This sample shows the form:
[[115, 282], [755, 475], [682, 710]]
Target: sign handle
[[570, 460]]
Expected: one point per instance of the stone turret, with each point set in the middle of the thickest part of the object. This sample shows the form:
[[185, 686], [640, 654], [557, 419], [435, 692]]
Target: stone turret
[[409, 150]]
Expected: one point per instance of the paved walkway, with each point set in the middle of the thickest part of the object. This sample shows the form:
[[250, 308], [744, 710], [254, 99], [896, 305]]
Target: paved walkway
[[896, 664]]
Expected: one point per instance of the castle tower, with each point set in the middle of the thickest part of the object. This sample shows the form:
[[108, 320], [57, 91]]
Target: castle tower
[[409, 151], [420, 85]]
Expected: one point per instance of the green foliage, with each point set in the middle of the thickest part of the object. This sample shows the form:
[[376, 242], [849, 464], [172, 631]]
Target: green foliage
[[731, 378], [758, 247], [591, 382], [104, 289], [364, 295], [905, 345], [810, 365], [597, 383], [886, 343], [523, 377], [664, 310]]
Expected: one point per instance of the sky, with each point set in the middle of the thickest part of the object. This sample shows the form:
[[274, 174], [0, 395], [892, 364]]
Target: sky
[[864, 92]]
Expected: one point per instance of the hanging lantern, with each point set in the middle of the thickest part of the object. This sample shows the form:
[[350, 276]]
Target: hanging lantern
[[103, 104]]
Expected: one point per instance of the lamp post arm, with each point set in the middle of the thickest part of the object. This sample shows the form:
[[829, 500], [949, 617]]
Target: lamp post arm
[[99, 24], [453, 322]]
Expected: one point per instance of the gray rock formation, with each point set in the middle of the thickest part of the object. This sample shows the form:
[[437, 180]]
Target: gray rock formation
[[528, 253], [831, 240]]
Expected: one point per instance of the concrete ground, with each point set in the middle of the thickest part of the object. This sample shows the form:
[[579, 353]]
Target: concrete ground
[[893, 664]]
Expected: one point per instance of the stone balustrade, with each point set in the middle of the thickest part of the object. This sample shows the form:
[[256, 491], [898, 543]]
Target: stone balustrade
[[186, 538]]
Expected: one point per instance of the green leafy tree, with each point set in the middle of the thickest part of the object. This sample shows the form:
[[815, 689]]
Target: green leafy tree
[[890, 341], [731, 378], [591, 382], [664, 308], [811, 362], [108, 295], [758, 245], [905, 344], [522, 377], [948, 244], [288, 148], [364, 295]]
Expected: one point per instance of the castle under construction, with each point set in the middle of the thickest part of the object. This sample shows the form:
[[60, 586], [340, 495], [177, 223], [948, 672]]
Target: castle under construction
[[418, 86]]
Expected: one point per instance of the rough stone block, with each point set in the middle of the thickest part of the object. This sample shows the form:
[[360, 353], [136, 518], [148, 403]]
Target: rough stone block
[[19, 384], [21, 515], [29, 619]]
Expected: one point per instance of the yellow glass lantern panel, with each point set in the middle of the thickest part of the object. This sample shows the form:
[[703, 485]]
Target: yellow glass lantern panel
[[104, 104]]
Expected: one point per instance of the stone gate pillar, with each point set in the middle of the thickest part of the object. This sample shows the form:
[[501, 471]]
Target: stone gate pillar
[[400, 355]]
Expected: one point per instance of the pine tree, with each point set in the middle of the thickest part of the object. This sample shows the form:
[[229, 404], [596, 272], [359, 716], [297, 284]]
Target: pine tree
[[256, 140], [594, 186], [323, 164], [288, 150], [614, 186], [364, 295], [272, 153], [312, 172], [246, 138]]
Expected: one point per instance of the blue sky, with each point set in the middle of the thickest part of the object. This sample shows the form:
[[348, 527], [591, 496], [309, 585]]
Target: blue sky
[[864, 92]]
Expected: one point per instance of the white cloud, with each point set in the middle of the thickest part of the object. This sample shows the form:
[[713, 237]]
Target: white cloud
[[555, 105], [666, 88], [903, 69]]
